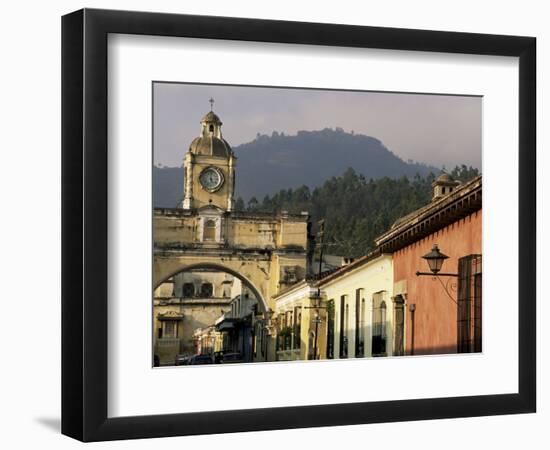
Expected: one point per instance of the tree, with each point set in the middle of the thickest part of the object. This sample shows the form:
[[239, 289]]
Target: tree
[[253, 204], [239, 204]]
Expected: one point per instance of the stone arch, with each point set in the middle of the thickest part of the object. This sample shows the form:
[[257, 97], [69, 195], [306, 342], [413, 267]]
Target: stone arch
[[206, 265]]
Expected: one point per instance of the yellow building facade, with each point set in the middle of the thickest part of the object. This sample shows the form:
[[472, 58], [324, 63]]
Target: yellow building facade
[[348, 313], [300, 323], [266, 252]]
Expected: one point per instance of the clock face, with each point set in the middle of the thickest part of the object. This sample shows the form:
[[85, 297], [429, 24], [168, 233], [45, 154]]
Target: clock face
[[211, 179]]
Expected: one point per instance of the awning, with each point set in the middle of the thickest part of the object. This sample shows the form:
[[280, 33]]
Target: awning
[[227, 324], [170, 315]]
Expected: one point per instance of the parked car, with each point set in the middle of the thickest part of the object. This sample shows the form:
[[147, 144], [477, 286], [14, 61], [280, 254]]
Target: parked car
[[182, 360], [218, 357], [201, 359], [231, 358]]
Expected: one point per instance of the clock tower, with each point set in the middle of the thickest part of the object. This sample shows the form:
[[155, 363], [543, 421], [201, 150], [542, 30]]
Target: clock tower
[[209, 168], [268, 252]]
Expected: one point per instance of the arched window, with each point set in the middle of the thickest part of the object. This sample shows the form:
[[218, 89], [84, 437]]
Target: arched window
[[379, 325], [209, 232], [211, 128], [207, 290], [188, 290]]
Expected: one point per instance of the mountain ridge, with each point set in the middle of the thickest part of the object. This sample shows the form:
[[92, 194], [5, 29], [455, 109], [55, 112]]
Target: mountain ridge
[[271, 163]]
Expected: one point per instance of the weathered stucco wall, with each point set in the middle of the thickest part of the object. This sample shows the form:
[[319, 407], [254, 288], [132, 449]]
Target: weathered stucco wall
[[298, 304], [182, 228], [269, 252]]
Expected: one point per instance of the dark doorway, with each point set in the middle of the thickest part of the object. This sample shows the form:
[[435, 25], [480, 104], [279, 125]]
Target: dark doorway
[[399, 326]]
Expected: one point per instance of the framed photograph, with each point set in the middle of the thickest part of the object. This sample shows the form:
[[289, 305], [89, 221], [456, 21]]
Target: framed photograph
[[273, 225]]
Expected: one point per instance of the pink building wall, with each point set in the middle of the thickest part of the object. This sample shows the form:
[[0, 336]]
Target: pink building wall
[[435, 316]]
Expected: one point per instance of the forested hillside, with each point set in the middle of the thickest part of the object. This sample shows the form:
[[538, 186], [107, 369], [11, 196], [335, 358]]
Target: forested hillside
[[355, 209]]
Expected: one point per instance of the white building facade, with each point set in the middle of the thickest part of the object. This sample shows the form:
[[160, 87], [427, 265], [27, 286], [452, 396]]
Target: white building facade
[[360, 311]]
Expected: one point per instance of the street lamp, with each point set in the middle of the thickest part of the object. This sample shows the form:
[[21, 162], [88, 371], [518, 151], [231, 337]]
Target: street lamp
[[435, 260]]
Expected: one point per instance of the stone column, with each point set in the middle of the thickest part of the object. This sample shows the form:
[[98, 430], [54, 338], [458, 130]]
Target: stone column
[[188, 185], [368, 333], [231, 184]]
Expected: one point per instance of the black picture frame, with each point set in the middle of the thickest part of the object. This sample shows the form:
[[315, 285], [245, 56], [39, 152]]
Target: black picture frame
[[84, 224]]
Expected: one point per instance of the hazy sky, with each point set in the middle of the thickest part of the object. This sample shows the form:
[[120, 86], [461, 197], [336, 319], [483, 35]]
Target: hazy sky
[[434, 129]]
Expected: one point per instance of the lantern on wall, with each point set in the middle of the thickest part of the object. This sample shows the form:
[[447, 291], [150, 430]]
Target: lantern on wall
[[435, 259]]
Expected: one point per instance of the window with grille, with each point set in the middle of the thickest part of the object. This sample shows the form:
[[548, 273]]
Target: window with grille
[[469, 304], [170, 329]]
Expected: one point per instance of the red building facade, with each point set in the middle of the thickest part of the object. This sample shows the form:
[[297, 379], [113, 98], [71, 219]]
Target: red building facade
[[439, 313]]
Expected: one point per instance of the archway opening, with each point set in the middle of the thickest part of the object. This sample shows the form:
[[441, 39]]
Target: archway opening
[[262, 303], [204, 311]]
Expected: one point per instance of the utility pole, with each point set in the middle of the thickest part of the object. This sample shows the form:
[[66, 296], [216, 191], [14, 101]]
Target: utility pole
[[321, 234], [317, 319]]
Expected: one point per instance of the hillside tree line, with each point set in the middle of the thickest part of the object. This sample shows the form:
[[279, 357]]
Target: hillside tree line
[[356, 210]]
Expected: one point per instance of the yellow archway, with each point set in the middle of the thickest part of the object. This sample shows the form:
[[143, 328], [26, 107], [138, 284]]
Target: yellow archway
[[169, 271]]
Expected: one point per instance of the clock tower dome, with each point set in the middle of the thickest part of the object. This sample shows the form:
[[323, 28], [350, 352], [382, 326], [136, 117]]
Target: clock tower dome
[[209, 168]]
